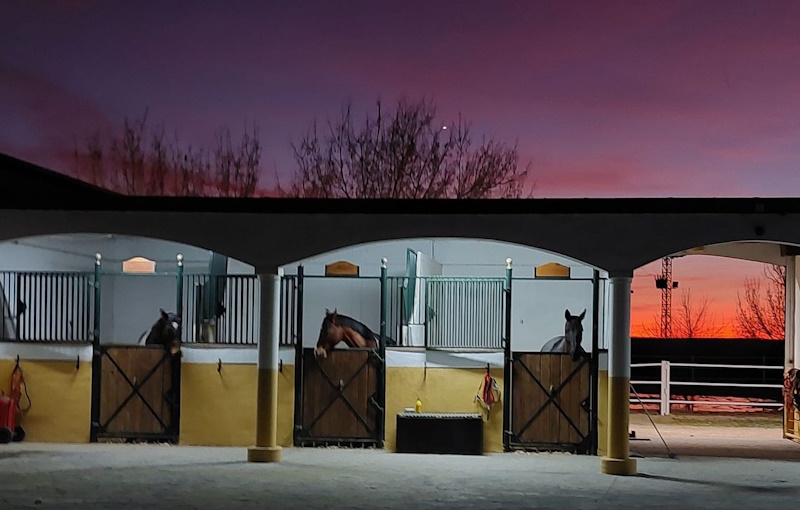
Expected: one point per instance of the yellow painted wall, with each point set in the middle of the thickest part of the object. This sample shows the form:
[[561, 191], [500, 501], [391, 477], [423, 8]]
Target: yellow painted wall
[[61, 397], [442, 390], [219, 409], [602, 411]]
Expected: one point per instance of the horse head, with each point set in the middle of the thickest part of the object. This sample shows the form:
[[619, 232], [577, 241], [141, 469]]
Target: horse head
[[167, 332], [573, 332], [327, 337]]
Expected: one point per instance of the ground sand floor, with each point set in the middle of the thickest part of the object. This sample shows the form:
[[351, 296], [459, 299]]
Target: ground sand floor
[[88, 476]]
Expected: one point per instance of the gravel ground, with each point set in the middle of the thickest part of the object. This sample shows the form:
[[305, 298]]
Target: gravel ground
[[152, 476]]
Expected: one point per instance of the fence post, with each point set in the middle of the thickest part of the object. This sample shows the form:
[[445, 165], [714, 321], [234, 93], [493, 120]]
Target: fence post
[[382, 351], [179, 298], [96, 355], [507, 361], [665, 389]]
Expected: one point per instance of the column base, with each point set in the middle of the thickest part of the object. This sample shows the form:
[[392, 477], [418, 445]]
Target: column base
[[264, 454], [621, 467]]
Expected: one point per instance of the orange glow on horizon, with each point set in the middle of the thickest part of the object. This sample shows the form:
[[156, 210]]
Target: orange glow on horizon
[[715, 279]]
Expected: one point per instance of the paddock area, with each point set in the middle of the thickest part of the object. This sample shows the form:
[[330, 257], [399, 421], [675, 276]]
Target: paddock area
[[731, 435], [91, 476]]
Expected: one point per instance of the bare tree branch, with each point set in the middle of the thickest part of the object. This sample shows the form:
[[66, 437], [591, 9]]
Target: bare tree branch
[[403, 154], [763, 317], [692, 320], [139, 162]]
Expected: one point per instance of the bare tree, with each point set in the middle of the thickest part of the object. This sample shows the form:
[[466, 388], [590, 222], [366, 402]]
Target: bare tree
[[692, 320], [406, 153], [140, 162], [763, 317], [695, 320]]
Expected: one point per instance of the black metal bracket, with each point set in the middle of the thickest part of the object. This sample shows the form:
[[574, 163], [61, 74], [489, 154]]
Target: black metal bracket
[[280, 366], [78, 363], [219, 365]]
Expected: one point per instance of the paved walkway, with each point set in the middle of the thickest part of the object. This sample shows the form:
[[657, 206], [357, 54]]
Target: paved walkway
[[46, 476]]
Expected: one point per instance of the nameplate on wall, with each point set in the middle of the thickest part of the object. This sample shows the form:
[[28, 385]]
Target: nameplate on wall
[[139, 265], [552, 270], [341, 268]]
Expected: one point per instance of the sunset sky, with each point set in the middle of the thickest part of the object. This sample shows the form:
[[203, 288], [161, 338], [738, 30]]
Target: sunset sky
[[606, 99]]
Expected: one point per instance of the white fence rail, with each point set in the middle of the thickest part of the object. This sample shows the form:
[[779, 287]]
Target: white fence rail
[[666, 382]]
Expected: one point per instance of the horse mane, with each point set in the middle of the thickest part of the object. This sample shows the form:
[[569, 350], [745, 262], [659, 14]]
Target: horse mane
[[357, 326]]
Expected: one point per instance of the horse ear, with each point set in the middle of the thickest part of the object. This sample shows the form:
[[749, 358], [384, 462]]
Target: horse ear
[[327, 312], [567, 315], [583, 314], [164, 314]]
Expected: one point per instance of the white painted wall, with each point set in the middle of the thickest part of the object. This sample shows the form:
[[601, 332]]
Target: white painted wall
[[131, 303], [537, 309]]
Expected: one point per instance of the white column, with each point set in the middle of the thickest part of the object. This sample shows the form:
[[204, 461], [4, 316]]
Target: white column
[[266, 448], [617, 460]]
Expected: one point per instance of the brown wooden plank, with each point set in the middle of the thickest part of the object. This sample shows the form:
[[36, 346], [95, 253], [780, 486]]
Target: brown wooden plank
[[551, 372], [108, 399], [120, 390], [144, 360], [570, 401], [529, 399]]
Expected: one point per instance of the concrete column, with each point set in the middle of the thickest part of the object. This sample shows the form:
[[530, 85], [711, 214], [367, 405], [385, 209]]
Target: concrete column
[[617, 460], [266, 448]]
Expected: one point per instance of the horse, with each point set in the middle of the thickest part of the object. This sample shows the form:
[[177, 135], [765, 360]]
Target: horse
[[338, 328], [570, 342], [166, 331]]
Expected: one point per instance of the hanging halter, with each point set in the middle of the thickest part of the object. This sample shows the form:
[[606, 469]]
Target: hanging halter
[[488, 391]]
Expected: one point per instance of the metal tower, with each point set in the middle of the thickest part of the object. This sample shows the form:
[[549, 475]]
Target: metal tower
[[665, 283]]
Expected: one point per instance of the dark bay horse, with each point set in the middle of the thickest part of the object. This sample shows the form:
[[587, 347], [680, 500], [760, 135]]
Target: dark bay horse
[[166, 332], [338, 328], [570, 342]]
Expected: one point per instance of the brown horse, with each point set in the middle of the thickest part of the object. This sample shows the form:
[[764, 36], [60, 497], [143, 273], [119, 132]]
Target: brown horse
[[165, 332], [338, 328]]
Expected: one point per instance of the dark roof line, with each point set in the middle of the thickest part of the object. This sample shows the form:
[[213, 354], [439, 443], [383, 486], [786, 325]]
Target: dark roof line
[[16, 172], [55, 191]]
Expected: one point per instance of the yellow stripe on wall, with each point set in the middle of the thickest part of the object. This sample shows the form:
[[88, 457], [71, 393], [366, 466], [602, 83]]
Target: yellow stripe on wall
[[219, 408], [602, 412], [61, 397]]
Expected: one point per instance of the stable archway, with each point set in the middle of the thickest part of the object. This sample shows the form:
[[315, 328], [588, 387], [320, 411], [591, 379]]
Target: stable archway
[[708, 369], [74, 305]]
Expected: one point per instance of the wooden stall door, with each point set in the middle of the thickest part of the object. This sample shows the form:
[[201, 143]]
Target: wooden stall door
[[139, 394], [550, 402], [339, 398]]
